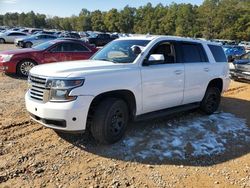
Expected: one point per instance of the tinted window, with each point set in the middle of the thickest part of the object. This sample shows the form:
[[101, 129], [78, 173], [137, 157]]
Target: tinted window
[[50, 37], [218, 53], [57, 48], [75, 47], [104, 36], [70, 47], [16, 34], [193, 53], [44, 46]]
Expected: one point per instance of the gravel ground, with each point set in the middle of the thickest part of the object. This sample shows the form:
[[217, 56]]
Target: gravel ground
[[186, 150]]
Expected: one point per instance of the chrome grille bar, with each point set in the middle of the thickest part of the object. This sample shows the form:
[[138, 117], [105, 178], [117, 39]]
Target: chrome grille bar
[[38, 87]]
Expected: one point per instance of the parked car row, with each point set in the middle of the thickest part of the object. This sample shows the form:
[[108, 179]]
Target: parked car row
[[26, 40]]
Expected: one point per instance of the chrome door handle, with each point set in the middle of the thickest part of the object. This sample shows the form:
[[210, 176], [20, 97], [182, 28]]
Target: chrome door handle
[[206, 69], [178, 72]]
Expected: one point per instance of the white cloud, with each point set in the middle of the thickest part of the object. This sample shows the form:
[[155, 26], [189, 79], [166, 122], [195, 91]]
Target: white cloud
[[9, 1]]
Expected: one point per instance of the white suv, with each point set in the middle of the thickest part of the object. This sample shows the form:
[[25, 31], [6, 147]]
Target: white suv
[[129, 79]]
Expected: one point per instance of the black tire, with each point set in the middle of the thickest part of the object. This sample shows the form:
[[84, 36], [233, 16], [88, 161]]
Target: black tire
[[110, 120], [211, 100], [28, 45], [2, 41], [24, 66]]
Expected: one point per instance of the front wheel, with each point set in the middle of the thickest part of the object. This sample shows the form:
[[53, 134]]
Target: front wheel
[[211, 100], [24, 67], [110, 120]]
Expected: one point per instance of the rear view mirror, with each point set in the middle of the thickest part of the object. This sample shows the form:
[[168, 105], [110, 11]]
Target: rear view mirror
[[136, 50]]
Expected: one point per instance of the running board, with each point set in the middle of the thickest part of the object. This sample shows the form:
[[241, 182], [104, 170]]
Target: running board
[[166, 112]]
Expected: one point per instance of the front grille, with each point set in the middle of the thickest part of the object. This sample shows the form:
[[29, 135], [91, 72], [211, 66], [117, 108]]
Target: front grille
[[37, 87]]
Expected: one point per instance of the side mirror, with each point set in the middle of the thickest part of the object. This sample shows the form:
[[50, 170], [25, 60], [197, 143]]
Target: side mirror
[[154, 59], [136, 50]]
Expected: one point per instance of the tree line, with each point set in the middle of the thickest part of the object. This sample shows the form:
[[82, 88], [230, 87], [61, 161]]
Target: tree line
[[226, 19]]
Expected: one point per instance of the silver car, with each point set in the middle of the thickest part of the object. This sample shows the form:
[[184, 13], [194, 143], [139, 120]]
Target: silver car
[[10, 36], [33, 40]]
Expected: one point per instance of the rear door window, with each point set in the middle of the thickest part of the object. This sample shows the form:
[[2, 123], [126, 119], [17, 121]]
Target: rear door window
[[75, 47], [218, 53], [193, 52]]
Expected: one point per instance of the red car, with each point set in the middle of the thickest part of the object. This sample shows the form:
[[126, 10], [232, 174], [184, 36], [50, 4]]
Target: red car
[[20, 61]]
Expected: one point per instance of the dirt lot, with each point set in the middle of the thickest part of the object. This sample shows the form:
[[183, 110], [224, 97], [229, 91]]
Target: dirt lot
[[188, 150]]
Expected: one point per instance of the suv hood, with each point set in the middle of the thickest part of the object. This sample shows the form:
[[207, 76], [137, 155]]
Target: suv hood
[[75, 68]]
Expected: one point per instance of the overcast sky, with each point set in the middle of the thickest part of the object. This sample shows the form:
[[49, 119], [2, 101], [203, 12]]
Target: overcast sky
[[65, 8]]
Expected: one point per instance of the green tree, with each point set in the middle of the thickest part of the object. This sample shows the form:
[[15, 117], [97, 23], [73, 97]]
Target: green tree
[[126, 20], [97, 21]]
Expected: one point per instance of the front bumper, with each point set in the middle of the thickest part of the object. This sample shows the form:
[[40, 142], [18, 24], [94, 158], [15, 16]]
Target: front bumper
[[19, 44], [241, 75], [64, 116], [7, 67]]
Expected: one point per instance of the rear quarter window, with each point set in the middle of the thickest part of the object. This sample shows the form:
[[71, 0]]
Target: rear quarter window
[[218, 53]]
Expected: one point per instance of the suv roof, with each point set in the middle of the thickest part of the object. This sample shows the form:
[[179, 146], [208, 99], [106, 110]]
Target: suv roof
[[166, 37]]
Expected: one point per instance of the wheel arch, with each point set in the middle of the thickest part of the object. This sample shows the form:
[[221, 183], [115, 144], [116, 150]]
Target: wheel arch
[[28, 42], [216, 82], [3, 39], [126, 95], [22, 60]]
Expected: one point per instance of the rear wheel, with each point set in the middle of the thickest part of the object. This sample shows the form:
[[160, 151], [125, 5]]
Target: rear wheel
[[2, 41], [110, 120], [211, 100], [28, 45], [24, 67]]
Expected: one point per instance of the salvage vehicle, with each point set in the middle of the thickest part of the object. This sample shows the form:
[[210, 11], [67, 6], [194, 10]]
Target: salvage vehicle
[[232, 51], [20, 61], [134, 78], [242, 68]]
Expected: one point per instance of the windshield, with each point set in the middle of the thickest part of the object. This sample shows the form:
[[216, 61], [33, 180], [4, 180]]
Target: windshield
[[120, 51], [44, 45]]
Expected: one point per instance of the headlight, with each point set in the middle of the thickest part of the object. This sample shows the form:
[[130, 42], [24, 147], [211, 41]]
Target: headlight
[[5, 57], [60, 89]]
